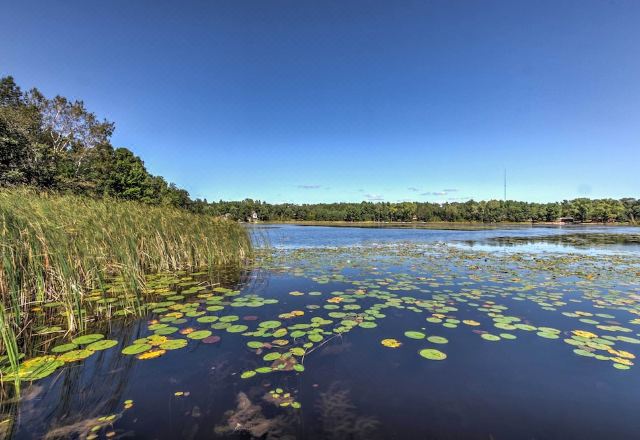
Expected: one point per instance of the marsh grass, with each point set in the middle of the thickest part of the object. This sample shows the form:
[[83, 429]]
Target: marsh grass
[[59, 248]]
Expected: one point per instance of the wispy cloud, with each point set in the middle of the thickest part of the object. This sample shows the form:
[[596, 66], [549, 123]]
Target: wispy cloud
[[308, 186], [374, 197], [413, 189], [443, 192]]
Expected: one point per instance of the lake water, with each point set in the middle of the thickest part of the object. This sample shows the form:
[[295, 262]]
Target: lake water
[[368, 333]]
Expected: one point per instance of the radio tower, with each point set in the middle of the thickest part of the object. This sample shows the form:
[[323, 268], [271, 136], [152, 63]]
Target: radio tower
[[505, 184]]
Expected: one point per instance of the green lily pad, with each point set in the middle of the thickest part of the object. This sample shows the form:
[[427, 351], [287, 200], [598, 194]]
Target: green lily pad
[[238, 328], [102, 345], [207, 319], [87, 339], [414, 335], [248, 374], [432, 354], [548, 335], [437, 340], [270, 324], [136, 349], [271, 356], [173, 344], [199, 334], [166, 331], [64, 347], [255, 344], [75, 355]]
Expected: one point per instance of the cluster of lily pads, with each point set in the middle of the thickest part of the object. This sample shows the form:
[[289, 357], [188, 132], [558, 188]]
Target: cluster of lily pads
[[77, 349], [452, 288], [280, 397]]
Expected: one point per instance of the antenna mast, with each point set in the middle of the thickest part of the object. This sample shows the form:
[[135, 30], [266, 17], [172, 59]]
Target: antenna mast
[[505, 184]]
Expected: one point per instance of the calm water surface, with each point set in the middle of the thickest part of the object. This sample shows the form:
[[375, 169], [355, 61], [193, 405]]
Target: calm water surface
[[536, 331]]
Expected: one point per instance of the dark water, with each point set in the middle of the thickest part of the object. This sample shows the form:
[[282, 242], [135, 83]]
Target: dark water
[[532, 387]]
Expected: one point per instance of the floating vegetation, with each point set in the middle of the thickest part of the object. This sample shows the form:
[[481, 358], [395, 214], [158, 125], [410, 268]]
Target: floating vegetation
[[432, 354], [184, 306], [429, 300], [391, 343], [437, 340], [199, 334], [281, 398], [412, 335], [151, 354]]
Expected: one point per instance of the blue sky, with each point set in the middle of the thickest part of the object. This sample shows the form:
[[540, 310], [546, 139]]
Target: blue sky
[[304, 101]]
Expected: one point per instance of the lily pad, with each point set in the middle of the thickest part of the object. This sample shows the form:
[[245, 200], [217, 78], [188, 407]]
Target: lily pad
[[64, 347], [87, 339], [102, 345], [437, 340], [238, 328], [270, 324], [199, 334], [136, 349], [432, 354], [414, 335], [75, 355], [173, 344]]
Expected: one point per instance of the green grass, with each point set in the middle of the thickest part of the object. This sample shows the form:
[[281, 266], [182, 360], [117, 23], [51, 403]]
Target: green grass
[[58, 248]]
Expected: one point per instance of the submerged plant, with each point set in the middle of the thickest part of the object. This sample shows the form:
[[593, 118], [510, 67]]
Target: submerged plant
[[339, 418], [249, 418]]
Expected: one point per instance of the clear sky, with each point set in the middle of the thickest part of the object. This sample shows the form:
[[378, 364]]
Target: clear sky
[[351, 100]]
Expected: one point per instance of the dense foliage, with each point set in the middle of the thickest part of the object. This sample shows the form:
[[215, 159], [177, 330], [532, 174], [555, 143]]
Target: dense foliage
[[58, 144], [581, 210]]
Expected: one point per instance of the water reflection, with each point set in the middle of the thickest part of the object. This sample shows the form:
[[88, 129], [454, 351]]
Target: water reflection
[[538, 346]]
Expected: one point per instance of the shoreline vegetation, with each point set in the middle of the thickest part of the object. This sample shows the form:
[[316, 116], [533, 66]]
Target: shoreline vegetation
[[462, 225], [626, 210], [56, 144], [57, 250]]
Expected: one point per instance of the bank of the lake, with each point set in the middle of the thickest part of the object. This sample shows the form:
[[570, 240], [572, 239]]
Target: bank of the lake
[[60, 250], [462, 225]]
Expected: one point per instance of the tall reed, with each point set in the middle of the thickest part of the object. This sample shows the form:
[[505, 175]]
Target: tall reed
[[57, 248]]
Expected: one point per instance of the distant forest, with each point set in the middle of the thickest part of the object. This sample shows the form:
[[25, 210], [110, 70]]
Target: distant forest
[[58, 145], [581, 210]]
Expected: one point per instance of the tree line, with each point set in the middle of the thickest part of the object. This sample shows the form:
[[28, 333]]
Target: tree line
[[57, 144], [581, 210]]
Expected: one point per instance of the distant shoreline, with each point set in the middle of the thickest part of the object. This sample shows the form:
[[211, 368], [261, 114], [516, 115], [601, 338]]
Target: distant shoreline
[[437, 225]]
